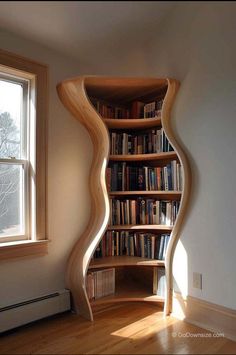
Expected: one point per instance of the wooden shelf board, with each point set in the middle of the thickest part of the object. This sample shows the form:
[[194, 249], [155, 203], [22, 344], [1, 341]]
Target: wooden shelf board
[[129, 293], [143, 157], [141, 227], [163, 194], [133, 123], [116, 261]]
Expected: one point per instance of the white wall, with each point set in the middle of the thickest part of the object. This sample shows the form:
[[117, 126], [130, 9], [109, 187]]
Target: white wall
[[69, 157], [195, 44]]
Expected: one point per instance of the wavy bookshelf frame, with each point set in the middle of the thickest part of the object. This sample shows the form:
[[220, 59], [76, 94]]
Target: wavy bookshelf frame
[[74, 96]]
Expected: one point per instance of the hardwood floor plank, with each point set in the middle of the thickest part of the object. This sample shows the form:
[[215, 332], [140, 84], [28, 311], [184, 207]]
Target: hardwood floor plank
[[132, 328]]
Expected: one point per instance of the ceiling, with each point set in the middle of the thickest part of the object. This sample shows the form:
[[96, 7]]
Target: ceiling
[[77, 28]]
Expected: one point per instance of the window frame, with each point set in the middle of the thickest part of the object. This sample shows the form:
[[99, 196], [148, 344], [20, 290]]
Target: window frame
[[37, 75]]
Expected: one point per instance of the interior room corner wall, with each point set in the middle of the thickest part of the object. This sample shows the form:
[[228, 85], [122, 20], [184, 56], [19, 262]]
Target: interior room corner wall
[[196, 45]]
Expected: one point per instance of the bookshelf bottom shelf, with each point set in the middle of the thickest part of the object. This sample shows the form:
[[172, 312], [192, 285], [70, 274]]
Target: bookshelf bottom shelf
[[129, 293]]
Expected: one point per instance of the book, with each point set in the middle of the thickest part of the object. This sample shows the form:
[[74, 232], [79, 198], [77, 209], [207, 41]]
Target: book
[[100, 283], [147, 245], [160, 283], [137, 109]]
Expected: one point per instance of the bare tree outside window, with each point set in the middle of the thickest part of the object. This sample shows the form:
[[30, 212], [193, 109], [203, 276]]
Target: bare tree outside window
[[23, 118], [11, 174], [9, 137]]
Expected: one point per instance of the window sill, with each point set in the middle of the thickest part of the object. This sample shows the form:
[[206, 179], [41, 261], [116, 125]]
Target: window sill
[[23, 249]]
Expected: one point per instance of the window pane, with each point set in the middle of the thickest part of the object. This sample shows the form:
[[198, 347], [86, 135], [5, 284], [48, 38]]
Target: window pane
[[11, 200], [11, 102]]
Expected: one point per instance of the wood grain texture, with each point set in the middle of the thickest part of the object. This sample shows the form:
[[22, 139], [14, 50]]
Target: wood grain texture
[[132, 328], [23, 249]]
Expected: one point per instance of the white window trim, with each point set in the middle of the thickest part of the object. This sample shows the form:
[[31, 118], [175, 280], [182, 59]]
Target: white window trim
[[37, 75]]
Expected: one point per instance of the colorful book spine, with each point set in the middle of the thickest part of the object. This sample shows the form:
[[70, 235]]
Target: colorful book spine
[[122, 177], [146, 245]]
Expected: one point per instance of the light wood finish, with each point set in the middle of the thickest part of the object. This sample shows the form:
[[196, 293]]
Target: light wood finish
[[160, 194], [132, 123], [122, 90], [143, 157], [129, 292], [75, 95], [132, 328], [205, 314], [143, 227], [116, 261], [23, 249], [175, 235], [20, 64]]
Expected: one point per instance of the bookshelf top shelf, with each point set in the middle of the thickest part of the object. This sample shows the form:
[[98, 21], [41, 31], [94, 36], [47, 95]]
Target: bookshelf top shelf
[[123, 90], [116, 261], [133, 123]]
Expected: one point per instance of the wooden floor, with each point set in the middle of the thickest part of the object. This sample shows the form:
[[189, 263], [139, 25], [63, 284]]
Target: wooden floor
[[133, 328]]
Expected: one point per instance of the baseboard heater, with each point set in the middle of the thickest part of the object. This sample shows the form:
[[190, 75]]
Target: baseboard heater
[[28, 311]]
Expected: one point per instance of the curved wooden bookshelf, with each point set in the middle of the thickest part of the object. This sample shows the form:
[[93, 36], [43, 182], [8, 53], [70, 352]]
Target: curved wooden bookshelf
[[76, 94]]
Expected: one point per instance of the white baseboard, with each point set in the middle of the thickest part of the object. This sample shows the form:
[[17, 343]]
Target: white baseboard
[[206, 315], [22, 313]]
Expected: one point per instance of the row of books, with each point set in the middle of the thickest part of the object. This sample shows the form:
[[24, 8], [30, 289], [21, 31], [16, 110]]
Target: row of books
[[146, 245], [111, 111], [153, 142], [122, 177], [137, 109], [159, 282], [152, 109], [143, 211], [100, 283]]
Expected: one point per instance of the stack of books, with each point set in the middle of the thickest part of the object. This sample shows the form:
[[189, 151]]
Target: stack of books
[[140, 109], [159, 283], [100, 283]]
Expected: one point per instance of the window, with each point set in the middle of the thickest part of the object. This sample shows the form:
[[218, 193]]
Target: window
[[15, 144], [23, 111]]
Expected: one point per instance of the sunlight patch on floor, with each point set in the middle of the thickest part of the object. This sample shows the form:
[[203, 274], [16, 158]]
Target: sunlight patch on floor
[[142, 328]]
